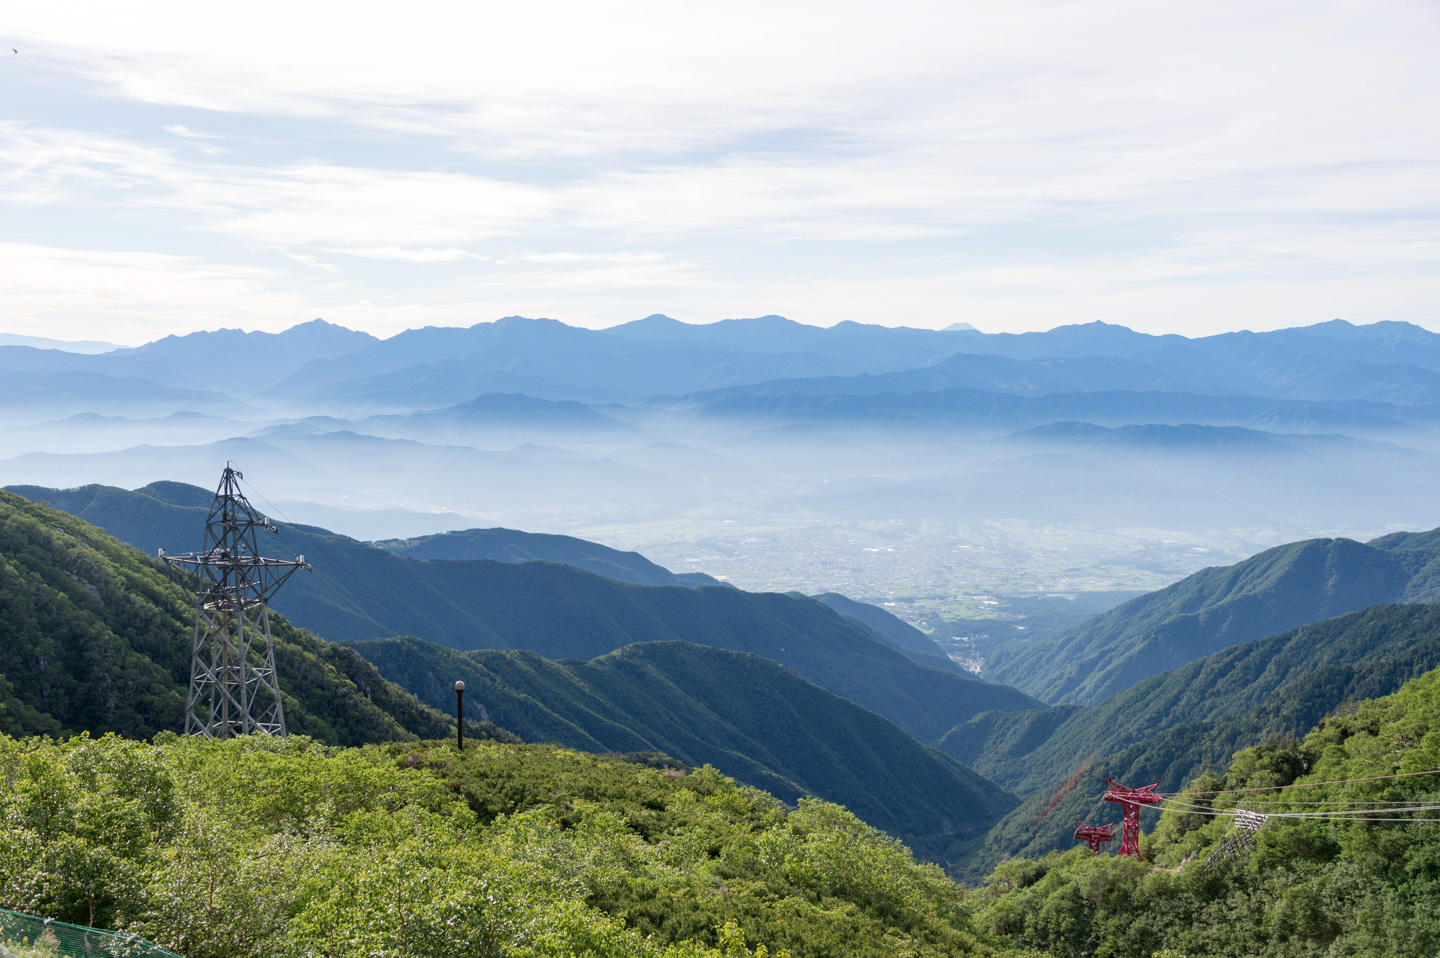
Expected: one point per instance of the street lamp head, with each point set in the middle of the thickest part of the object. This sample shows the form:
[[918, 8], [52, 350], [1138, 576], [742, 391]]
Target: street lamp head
[[459, 686]]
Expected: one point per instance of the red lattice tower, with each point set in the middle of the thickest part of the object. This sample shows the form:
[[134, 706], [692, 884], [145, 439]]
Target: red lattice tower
[[1094, 835], [1130, 800]]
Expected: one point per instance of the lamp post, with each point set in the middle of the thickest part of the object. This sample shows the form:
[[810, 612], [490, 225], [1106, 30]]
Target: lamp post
[[460, 716]]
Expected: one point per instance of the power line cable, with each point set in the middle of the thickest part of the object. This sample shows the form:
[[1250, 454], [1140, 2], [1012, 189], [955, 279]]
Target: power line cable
[[1339, 816], [348, 600], [350, 596], [1338, 781], [1374, 805], [319, 544], [1094, 811], [1285, 802]]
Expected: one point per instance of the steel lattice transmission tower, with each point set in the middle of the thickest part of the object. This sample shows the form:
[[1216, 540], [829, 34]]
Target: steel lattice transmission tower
[[233, 684]]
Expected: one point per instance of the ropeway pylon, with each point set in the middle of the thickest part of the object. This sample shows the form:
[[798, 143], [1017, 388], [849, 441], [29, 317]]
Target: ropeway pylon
[[233, 685], [1093, 835], [1130, 800]]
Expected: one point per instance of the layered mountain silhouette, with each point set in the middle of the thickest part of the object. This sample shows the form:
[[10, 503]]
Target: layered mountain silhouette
[[1239, 428], [562, 611], [1174, 726], [95, 636], [756, 720], [1278, 589], [504, 410], [511, 545], [321, 365]]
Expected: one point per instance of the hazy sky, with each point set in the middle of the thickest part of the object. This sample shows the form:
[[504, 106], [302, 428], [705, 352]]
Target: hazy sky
[[1176, 167]]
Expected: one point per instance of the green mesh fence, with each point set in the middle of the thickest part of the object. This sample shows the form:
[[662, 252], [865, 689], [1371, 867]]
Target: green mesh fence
[[25, 936]]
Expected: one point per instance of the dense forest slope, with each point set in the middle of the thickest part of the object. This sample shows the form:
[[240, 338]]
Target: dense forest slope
[[756, 720], [1175, 726], [899, 634], [96, 637], [1276, 590], [1227, 683], [559, 611], [411, 851], [1324, 881], [898, 631]]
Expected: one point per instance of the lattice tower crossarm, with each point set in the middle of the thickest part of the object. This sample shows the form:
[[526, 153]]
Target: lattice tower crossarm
[[1130, 801], [234, 688]]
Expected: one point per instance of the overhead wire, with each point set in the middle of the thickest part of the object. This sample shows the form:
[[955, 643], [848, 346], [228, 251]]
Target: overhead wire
[[1316, 813], [345, 595], [1359, 815], [1360, 806], [1376, 805], [1338, 781], [1094, 811], [347, 599], [1397, 811], [334, 585]]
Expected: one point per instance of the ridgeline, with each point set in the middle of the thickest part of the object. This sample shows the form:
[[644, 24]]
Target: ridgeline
[[95, 637]]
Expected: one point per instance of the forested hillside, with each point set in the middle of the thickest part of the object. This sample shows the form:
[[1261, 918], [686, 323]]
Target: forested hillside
[[1334, 869], [96, 637], [1175, 726], [758, 721], [914, 644], [1373, 642], [1271, 592], [262, 846], [360, 592]]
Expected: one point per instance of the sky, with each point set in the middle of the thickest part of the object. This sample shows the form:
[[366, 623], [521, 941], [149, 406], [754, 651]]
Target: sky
[[1188, 167]]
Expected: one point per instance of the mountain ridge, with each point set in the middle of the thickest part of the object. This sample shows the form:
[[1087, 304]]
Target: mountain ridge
[[511, 545], [754, 719], [1177, 725], [1268, 593], [96, 637], [561, 611]]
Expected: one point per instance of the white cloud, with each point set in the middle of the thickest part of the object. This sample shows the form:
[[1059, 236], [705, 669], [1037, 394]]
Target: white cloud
[[576, 78], [181, 130], [1093, 150], [315, 204], [135, 297], [569, 257], [422, 255], [305, 259], [325, 204]]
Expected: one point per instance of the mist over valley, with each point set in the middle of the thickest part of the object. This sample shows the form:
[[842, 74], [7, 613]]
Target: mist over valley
[[954, 477], [402, 555]]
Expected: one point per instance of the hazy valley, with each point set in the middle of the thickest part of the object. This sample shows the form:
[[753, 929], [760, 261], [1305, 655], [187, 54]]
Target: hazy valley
[[951, 591], [403, 556], [955, 474]]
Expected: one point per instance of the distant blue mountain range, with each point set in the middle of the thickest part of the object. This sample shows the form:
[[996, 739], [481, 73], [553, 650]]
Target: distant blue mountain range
[[318, 365]]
